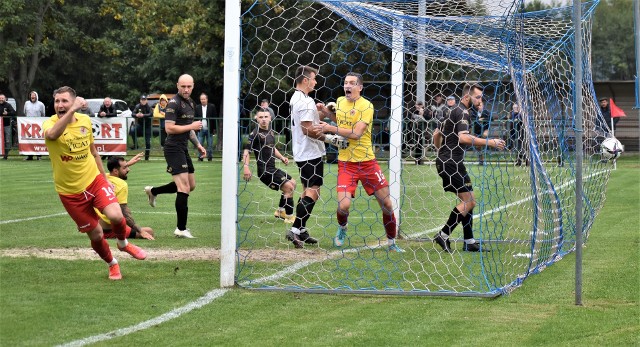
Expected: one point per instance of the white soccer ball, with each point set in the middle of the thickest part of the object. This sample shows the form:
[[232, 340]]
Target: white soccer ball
[[611, 148]]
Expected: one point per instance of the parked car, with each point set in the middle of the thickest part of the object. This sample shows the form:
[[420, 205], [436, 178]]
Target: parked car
[[122, 109], [12, 102]]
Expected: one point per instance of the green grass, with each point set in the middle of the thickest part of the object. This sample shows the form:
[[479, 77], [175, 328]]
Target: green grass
[[49, 302]]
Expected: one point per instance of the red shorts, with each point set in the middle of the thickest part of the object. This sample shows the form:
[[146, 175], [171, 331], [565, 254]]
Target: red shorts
[[367, 172], [98, 194]]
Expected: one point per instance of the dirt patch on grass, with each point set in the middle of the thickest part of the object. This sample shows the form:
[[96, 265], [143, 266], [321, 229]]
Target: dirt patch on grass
[[262, 255]]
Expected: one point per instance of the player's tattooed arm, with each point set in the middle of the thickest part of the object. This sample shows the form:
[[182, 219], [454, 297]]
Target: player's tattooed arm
[[194, 138], [126, 212]]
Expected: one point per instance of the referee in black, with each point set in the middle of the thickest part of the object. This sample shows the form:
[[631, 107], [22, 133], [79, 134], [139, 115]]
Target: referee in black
[[180, 129], [451, 138]]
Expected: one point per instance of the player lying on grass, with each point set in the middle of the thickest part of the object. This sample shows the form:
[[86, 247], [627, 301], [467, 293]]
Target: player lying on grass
[[118, 171]]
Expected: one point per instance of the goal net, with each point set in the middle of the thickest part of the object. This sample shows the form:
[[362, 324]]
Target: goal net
[[410, 53]]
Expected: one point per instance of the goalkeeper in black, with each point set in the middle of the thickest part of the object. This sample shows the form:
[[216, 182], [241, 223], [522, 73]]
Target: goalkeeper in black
[[451, 138], [262, 142]]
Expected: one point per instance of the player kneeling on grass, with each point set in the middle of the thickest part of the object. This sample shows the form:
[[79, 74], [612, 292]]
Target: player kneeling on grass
[[80, 180], [118, 171], [262, 142], [356, 160]]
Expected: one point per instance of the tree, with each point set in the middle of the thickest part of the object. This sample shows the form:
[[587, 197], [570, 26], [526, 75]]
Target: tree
[[613, 53]]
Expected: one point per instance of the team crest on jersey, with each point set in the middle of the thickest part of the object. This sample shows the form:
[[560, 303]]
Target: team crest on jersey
[[352, 112], [83, 130]]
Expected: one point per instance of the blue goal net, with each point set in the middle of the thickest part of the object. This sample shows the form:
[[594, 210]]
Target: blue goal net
[[415, 58]]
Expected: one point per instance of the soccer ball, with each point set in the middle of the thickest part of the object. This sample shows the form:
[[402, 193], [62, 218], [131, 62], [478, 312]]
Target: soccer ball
[[611, 148]]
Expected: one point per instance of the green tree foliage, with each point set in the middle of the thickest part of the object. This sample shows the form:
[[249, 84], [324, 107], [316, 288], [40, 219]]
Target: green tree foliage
[[122, 48], [613, 52]]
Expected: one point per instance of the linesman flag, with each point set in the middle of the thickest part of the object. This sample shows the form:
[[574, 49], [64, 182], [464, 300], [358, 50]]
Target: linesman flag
[[616, 112]]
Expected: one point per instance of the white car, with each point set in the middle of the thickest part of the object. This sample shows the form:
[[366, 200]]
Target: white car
[[121, 107]]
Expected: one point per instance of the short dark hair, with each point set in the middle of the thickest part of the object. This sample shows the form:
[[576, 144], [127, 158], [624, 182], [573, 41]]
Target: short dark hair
[[263, 109], [302, 72], [469, 87], [64, 89], [114, 162], [356, 75]]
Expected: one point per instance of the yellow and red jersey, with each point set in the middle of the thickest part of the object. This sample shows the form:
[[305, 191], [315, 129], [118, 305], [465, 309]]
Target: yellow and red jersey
[[74, 167], [122, 193], [348, 114]]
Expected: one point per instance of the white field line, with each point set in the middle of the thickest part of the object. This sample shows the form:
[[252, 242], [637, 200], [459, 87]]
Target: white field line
[[202, 301], [216, 293], [31, 218]]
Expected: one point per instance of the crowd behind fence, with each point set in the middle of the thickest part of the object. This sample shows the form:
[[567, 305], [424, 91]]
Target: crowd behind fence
[[416, 138]]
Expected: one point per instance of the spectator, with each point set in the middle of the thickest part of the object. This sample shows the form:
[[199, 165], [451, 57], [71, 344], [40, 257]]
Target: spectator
[[436, 109], [107, 109], [8, 122], [34, 108], [517, 134], [450, 103], [142, 115], [85, 109], [118, 169], [479, 124], [158, 113], [264, 103], [206, 112], [417, 130], [605, 108]]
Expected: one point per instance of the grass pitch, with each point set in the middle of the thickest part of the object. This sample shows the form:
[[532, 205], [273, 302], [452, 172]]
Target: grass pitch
[[53, 301]]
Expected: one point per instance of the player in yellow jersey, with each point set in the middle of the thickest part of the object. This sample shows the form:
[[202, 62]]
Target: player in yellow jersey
[[356, 162], [118, 173], [80, 180]]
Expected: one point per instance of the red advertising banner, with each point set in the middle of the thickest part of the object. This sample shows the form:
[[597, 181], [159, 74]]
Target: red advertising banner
[[110, 135]]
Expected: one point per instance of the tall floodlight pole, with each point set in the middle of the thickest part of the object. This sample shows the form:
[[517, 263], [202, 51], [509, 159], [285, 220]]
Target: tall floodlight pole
[[231, 107], [577, 24]]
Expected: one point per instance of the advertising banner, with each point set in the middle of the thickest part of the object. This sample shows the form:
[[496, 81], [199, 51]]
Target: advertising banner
[[110, 135]]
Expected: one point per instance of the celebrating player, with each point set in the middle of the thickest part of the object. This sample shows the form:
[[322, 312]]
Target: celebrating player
[[80, 179], [262, 142], [450, 139], [356, 162]]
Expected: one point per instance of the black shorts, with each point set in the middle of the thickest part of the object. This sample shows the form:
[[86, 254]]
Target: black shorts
[[178, 161], [454, 177], [479, 127], [311, 172], [274, 179]]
